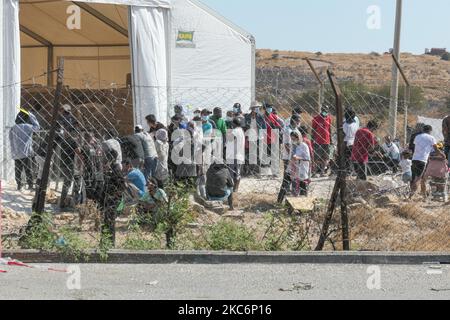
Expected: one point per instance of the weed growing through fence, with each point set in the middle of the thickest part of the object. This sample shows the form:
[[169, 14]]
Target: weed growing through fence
[[66, 241], [228, 235], [136, 240]]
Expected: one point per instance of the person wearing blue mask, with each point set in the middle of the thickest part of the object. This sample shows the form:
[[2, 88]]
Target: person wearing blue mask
[[238, 114], [207, 124]]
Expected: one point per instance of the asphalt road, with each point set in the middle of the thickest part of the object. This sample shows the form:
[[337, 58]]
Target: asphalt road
[[228, 282]]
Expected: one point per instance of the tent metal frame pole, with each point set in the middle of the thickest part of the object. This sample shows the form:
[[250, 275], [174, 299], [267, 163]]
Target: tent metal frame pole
[[50, 65], [77, 46], [100, 16], [50, 51]]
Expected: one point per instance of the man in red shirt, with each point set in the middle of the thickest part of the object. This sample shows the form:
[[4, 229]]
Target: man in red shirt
[[274, 125], [365, 142], [321, 135]]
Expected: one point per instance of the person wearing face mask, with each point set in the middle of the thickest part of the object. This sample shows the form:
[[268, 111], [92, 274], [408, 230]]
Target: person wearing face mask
[[229, 120], [238, 114], [174, 125], [298, 172], [272, 126], [321, 128], [207, 125], [179, 111], [197, 114], [254, 125], [297, 112], [218, 120], [287, 143]]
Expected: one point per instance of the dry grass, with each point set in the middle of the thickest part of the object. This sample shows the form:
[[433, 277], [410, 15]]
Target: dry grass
[[429, 72]]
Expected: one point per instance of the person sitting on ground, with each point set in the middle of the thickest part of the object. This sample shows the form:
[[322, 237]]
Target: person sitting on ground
[[153, 197], [21, 140], [406, 165], [134, 176], [424, 144], [219, 184], [365, 143], [392, 153]]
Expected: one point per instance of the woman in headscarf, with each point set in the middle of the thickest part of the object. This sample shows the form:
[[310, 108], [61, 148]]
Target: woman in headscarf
[[162, 148]]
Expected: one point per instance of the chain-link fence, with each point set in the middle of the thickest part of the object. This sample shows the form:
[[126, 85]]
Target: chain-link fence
[[293, 120]]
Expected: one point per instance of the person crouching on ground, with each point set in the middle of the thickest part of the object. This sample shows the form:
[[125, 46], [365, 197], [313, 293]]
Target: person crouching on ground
[[219, 184], [134, 176], [153, 198]]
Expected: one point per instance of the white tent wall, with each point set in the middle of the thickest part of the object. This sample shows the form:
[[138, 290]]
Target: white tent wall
[[216, 68], [11, 78], [2, 136], [148, 41]]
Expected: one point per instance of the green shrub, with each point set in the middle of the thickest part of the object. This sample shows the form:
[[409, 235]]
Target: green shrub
[[446, 56], [230, 236], [73, 246], [175, 215], [40, 236], [135, 240]]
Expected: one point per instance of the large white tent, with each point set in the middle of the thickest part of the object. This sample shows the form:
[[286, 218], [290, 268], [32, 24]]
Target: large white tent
[[177, 51]]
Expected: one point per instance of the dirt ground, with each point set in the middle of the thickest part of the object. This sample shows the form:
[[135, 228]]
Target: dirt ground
[[381, 218]]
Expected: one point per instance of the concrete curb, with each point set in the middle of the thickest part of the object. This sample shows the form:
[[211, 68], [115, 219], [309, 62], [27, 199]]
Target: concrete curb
[[205, 257]]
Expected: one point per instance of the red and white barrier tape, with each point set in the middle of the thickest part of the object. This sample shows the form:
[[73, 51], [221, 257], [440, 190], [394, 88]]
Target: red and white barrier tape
[[15, 263]]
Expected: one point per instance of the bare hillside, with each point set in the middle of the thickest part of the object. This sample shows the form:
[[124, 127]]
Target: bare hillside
[[288, 70]]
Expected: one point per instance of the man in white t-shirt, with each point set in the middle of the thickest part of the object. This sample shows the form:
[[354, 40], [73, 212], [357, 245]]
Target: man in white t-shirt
[[425, 144]]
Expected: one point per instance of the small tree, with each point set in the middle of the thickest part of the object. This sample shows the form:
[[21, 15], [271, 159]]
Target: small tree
[[446, 56]]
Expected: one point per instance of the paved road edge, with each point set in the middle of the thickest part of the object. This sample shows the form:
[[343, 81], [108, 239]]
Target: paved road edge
[[206, 257]]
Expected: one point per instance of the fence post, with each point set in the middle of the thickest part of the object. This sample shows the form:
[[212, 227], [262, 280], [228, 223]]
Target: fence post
[[321, 84], [407, 96], [39, 203], [340, 187]]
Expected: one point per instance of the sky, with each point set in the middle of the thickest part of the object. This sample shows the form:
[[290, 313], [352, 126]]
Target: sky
[[339, 25]]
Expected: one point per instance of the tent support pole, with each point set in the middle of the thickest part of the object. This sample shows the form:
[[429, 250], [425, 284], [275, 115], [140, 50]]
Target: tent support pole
[[100, 16], [50, 65]]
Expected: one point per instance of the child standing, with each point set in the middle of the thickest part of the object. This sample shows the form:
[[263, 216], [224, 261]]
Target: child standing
[[300, 166], [299, 169], [406, 165]]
